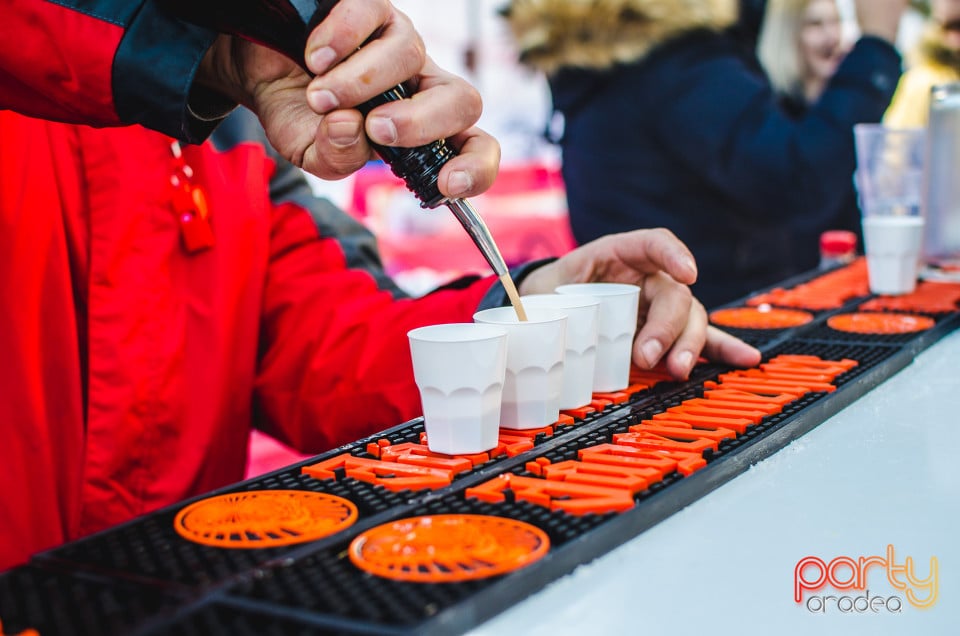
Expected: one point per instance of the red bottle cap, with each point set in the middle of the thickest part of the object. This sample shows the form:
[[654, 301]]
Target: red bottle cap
[[838, 243]]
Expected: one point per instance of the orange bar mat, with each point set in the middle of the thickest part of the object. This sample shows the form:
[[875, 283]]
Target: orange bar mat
[[448, 548], [264, 518], [828, 291], [880, 324], [762, 317], [927, 298]]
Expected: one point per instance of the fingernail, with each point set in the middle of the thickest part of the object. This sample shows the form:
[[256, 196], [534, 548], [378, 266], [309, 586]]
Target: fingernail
[[321, 59], [344, 133], [459, 183], [651, 351], [692, 266], [322, 101], [382, 130], [685, 358]]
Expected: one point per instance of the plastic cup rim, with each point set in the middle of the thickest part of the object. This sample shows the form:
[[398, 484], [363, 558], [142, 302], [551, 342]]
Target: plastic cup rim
[[510, 316], [434, 333], [565, 301], [598, 289]]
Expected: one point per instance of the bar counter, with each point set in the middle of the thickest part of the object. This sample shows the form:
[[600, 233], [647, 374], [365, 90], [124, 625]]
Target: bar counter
[[817, 493], [883, 471]]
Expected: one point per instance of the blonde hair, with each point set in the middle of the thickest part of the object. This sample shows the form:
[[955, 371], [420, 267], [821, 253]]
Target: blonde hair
[[779, 45]]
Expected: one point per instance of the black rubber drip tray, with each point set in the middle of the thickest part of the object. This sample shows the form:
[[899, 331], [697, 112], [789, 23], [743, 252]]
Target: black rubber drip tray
[[315, 587], [149, 548], [327, 582], [69, 604]]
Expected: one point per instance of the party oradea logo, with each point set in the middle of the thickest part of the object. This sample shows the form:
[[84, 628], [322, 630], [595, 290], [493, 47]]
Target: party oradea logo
[[864, 585]]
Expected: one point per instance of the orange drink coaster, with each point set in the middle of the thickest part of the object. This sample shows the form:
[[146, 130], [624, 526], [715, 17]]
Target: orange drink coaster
[[883, 324], [264, 518], [448, 548], [762, 317]]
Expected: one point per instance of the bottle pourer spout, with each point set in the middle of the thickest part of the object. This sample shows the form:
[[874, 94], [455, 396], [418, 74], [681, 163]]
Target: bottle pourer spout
[[477, 229]]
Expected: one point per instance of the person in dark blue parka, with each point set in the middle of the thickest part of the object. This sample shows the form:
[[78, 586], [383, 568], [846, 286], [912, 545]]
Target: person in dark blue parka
[[668, 121]]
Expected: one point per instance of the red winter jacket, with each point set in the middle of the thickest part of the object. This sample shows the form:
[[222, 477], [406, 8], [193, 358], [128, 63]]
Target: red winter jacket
[[131, 370], [104, 63]]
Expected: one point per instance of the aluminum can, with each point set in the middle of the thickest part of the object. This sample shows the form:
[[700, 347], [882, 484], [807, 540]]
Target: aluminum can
[[941, 240]]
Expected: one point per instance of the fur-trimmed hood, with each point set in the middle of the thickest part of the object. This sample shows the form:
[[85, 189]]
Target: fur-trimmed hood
[[597, 34]]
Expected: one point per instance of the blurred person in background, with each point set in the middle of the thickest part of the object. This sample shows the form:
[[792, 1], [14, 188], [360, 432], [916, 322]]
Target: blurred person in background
[[800, 73], [669, 121], [934, 60]]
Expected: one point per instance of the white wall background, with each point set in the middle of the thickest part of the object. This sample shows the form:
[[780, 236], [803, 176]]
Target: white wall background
[[516, 100]]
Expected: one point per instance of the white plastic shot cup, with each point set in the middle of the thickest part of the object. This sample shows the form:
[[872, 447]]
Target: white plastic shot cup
[[619, 305], [535, 350], [892, 244], [580, 357], [459, 369]]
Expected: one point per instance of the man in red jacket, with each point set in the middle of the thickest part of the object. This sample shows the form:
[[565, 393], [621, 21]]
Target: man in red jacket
[[159, 300]]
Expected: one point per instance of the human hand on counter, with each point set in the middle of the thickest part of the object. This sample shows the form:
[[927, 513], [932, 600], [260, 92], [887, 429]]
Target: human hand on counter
[[671, 321], [313, 122], [880, 18]]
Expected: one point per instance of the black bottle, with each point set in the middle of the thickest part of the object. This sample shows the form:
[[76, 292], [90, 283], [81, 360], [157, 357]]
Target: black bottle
[[283, 25]]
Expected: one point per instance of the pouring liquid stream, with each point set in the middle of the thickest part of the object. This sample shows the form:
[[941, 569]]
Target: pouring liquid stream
[[514, 297]]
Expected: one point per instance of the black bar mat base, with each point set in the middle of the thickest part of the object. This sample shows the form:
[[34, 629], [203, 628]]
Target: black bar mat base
[[143, 578]]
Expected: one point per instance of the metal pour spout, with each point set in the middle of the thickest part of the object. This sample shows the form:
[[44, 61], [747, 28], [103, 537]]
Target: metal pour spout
[[477, 229]]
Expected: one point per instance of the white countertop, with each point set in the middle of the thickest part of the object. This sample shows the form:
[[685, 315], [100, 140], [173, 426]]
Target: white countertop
[[885, 470]]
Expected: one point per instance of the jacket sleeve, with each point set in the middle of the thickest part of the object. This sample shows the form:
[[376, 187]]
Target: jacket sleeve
[[334, 356], [751, 150], [103, 63]]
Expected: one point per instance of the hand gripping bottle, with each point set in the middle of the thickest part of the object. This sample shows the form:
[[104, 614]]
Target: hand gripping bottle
[[284, 25]]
